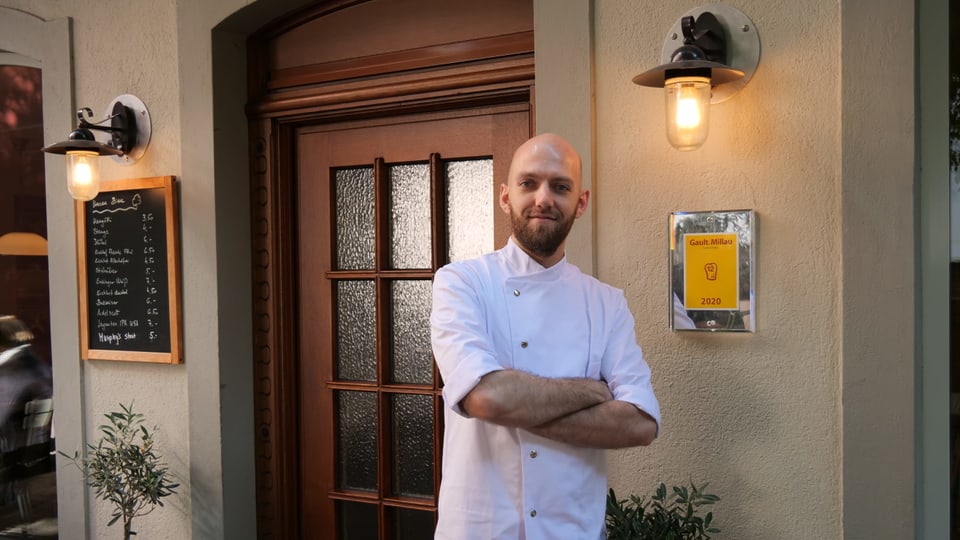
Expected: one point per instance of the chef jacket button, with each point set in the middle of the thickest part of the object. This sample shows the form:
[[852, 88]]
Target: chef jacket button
[[533, 513], [516, 292], [533, 454], [523, 344]]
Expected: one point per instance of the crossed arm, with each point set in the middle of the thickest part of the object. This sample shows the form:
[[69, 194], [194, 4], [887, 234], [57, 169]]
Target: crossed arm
[[581, 412]]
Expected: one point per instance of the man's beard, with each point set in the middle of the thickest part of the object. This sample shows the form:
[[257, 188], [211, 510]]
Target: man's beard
[[545, 239]]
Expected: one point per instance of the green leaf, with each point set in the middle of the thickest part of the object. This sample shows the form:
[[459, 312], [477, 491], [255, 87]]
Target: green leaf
[[659, 518], [124, 471]]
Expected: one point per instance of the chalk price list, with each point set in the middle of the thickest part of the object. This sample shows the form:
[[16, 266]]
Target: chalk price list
[[126, 286], [150, 276]]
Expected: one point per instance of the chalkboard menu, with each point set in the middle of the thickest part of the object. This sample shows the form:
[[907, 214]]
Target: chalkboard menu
[[129, 272]]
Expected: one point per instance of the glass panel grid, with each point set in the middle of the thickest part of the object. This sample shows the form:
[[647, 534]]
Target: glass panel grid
[[357, 440], [358, 521], [409, 421], [410, 524], [412, 356], [411, 417], [470, 207], [409, 220], [355, 218], [356, 330]]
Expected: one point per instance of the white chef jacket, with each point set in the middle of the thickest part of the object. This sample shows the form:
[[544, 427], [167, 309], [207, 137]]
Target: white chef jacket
[[504, 310]]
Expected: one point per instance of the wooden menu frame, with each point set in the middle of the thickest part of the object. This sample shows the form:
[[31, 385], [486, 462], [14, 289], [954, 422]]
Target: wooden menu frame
[[128, 262]]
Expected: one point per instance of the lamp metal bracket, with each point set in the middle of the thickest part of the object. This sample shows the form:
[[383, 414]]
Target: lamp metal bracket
[[130, 123], [738, 33]]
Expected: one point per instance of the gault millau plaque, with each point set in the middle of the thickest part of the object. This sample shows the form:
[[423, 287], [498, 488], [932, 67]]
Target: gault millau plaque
[[129, 272], [712, 270]]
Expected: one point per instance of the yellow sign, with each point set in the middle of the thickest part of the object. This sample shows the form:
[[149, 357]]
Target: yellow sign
[[711, 271]]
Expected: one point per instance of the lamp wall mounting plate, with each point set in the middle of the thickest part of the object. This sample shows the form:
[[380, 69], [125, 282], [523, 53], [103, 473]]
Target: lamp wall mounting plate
[[141, 118], [743, 45]]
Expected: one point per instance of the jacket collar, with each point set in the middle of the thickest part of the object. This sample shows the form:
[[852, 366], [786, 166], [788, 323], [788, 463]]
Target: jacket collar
[[520, 264]]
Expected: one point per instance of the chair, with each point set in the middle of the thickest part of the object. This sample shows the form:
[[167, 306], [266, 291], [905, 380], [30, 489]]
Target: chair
[[37, 419]]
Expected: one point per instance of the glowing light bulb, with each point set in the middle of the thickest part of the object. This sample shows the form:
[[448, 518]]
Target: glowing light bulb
[[688, 111], [83, 174]]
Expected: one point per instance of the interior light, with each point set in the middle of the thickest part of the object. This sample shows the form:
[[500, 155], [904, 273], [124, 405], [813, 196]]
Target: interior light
[[22, 243]]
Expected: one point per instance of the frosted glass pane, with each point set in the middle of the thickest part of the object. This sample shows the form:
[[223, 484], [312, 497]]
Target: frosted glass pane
[[412, 417], [354, 199], [412, 360], [469, 208], [356, 331], [357, 439], [358, 521], [410, 216], [411, 524]]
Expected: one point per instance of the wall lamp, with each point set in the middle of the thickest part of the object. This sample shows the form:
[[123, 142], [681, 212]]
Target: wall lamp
[[719, 54], [129, 129]]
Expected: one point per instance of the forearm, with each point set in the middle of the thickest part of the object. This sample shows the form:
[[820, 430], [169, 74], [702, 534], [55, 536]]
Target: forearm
[[611, 424], [519, 399]]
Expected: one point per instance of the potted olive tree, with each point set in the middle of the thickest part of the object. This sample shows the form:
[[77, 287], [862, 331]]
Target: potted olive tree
[[124, 468], [661, 517]]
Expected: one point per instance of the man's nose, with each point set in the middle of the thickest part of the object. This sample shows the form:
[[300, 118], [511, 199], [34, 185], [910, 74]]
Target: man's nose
[[543, 196]]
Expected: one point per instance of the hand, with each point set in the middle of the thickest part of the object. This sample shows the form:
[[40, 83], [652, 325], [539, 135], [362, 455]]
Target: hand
[[602, 389]]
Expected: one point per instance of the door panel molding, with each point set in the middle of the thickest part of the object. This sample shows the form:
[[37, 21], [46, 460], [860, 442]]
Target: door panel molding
[[399, 61], [503, 81]]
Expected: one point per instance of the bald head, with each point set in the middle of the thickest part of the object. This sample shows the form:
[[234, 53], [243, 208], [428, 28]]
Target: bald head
[[546, 148]]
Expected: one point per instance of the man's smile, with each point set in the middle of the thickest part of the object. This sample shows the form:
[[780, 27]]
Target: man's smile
[[542, 217]]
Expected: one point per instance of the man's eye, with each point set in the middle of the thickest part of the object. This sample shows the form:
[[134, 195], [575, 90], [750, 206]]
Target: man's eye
[[562, 187]]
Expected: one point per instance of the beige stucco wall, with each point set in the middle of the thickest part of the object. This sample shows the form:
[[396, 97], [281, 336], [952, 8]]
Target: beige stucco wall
[[789, 425], [754, 415], [816, 408], [114, 53]]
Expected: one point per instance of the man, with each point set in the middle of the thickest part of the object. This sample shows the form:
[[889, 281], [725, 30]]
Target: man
[[541, 370]]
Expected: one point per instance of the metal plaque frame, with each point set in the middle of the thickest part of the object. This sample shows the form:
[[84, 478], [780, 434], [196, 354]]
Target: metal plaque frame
[[712, 271]]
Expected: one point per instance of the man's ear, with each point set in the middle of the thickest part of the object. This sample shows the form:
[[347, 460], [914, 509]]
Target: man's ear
[[505, 199], [582, 202]]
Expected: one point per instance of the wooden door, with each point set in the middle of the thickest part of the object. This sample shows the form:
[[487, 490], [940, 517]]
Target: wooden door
[[381, 207], [370, 90]]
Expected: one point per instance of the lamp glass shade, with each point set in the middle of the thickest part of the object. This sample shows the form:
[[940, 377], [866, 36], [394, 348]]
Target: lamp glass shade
[[83, 174], [688, 111]]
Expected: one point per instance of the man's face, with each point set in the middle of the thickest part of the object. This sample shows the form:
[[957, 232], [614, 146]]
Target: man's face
[[543, 195]]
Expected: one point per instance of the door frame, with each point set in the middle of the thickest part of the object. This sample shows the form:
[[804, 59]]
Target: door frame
[[932, 392]]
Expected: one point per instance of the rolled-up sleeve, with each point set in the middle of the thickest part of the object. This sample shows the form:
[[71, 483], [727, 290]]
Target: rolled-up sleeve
[[461, 341], [623, 365]]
